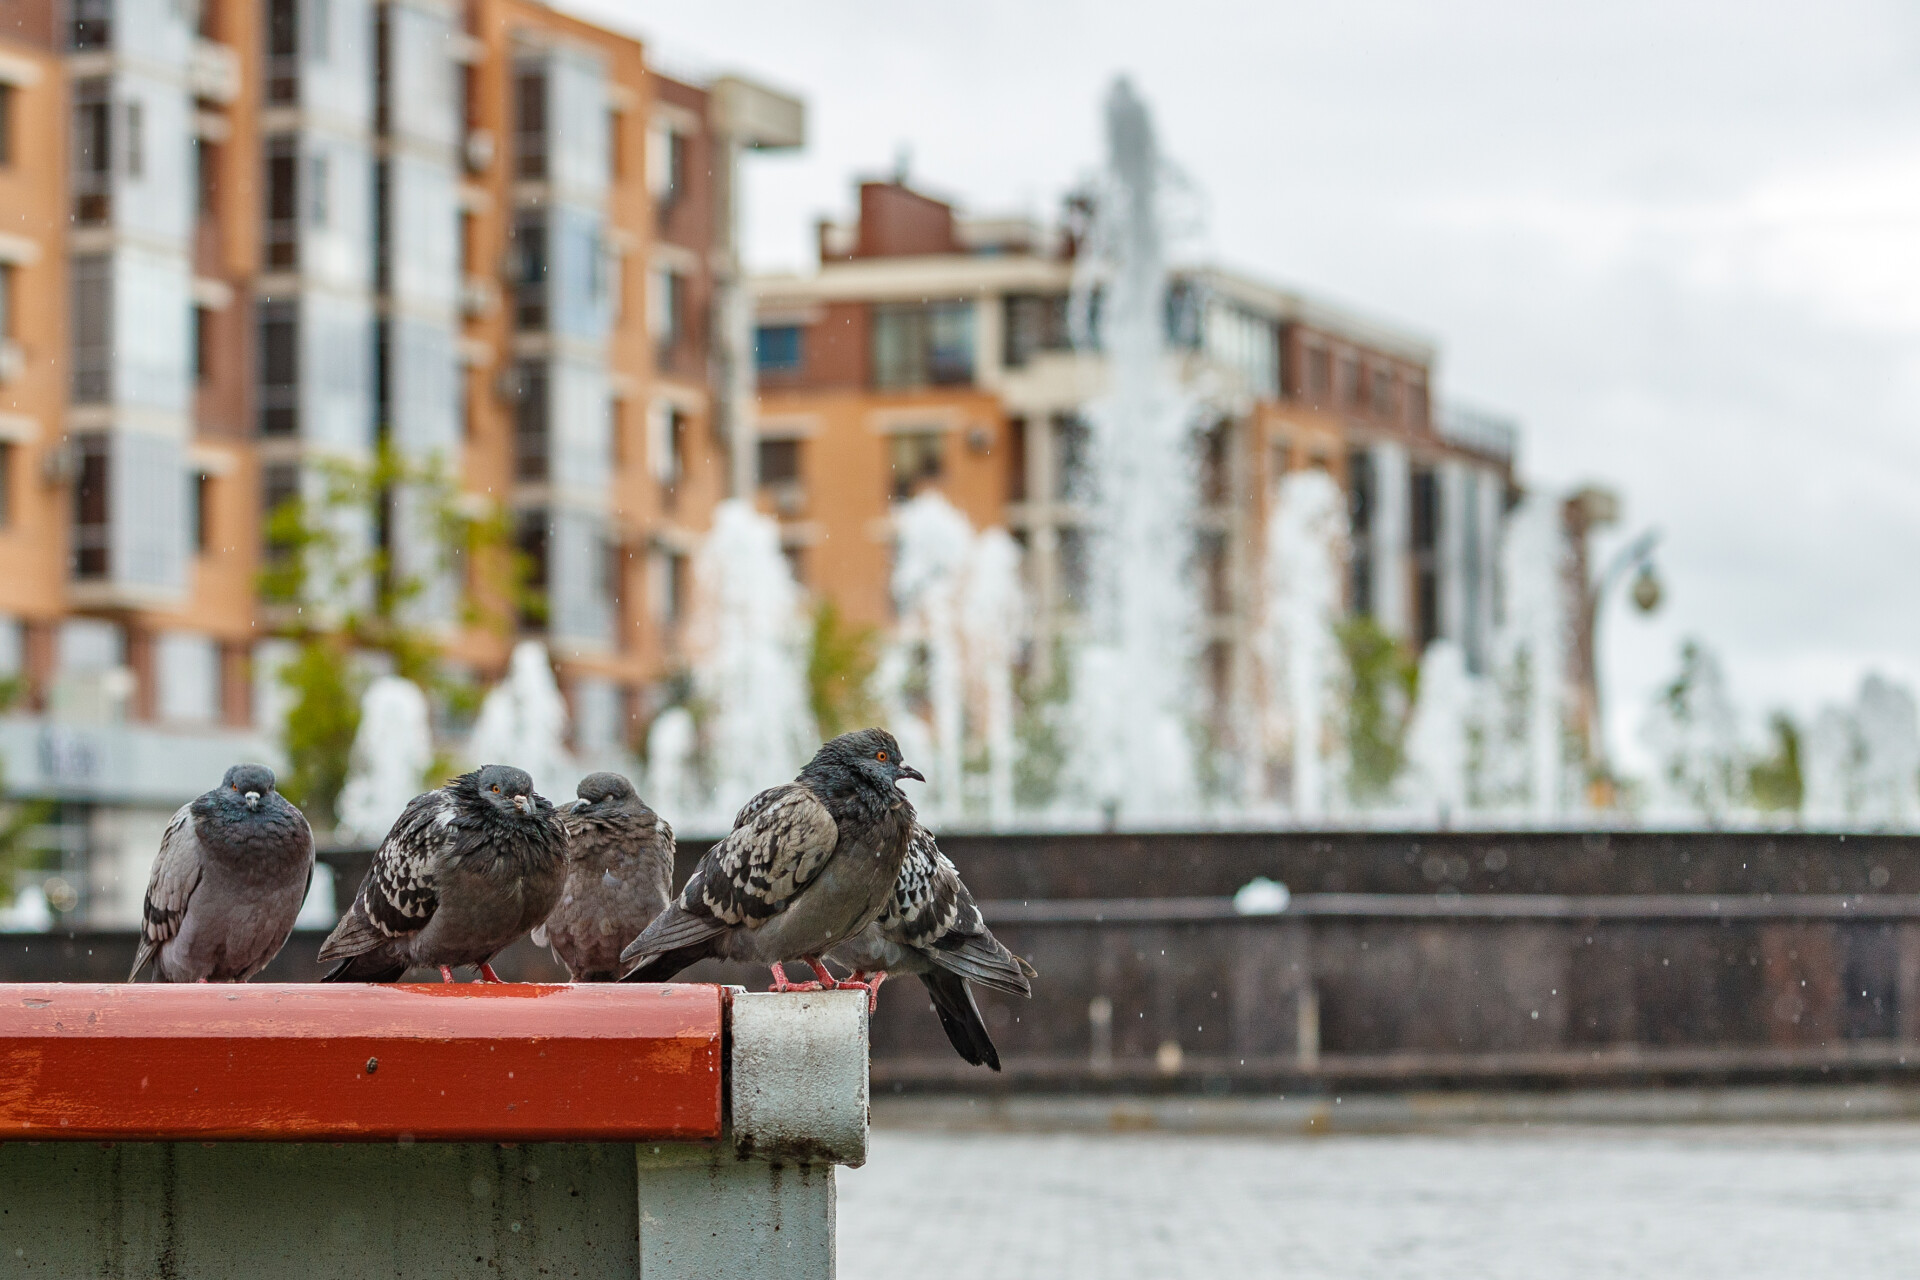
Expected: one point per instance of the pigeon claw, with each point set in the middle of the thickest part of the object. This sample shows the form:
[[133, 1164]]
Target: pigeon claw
[[872, 979], [446, 974], [488, 975], [780, 982]]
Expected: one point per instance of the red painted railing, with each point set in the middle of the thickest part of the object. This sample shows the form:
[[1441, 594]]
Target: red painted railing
[[462, 1062]]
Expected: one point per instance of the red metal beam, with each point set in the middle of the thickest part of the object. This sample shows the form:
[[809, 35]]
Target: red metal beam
[[466, 1062]]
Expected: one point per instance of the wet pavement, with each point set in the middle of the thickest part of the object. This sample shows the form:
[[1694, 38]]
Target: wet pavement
[[1696, 1201]]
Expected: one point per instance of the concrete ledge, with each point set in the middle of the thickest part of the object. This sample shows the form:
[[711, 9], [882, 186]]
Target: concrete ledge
[[798, 1071]]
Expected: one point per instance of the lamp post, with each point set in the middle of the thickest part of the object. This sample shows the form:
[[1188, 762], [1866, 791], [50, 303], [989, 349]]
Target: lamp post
[[1586, 510]]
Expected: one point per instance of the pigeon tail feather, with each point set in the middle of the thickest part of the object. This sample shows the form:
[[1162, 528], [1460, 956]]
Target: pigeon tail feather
[[674, 929], [983, 959], [960, 1018], [663, 967], [369, 966]]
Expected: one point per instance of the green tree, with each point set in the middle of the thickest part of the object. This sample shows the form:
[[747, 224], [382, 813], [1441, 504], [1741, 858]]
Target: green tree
[[336, 593], [1382, 681], [1039, 729], [1774, 781], [840, 665]]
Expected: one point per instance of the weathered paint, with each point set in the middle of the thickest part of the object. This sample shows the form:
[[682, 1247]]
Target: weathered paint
[[317, 1211], [799, 1076], [515, 1062], [710, 1213]]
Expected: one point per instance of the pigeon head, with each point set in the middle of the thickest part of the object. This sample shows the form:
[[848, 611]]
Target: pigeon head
[[505, 790], [246, 784], [866, 756], [605, 792]]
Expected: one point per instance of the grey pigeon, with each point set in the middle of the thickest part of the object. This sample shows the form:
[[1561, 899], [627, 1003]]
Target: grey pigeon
[[619, 877], [465, 871], [807, 865], [233, 869], [932, 928]]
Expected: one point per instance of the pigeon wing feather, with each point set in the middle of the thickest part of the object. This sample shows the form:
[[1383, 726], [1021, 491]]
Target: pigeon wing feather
[[932, 911], [780, 840], [398, 896], [176, 874]]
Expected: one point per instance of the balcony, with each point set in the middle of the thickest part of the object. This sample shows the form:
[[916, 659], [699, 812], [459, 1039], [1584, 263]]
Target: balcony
[[214, 72], [118, 763]]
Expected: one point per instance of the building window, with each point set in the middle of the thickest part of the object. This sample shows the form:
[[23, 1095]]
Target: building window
[[1035, 323], [666, 166], [92, 327], [531, 541], [779, 461], [91, 512], [1417, 406], [206, 168], [530, 426], [279, 498], [1350, 382], [279, 369], [666, 585], [1360, 498], [317, 193], [6, 306], [6, 483], [916, 458], [666, 308], [187, 671], [777, 348], [666, 445], [1076, 567], [530, 124], [1072, 456], [200, 497], [530, 272], [92, 24], [1016, 460], [136, 140], [1383, 393], [1319, 375], [283, 50], [202, 344], [1424, 541], [92, 178], [6, 124], [918, 345], [283, 203]]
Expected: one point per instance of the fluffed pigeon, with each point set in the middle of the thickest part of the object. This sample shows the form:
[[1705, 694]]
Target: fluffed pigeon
[[232, 871], [465, 871], [619, 877], [807, 866], [932, 928]]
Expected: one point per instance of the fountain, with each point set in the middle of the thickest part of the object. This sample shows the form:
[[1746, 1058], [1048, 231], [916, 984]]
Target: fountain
[[392, 751], [1521, 762], [523, 722], [673, 767], [1438, 784], [1306, 547], [948, 676], [1693, 733], [749, 637], [1861, 764], [1134, 675]]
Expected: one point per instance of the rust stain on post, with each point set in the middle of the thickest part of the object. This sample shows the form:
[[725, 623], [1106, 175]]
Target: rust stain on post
[[518, 1062]]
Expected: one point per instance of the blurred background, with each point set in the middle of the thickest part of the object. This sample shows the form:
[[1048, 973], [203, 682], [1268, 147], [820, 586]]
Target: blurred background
[[1383, 526]]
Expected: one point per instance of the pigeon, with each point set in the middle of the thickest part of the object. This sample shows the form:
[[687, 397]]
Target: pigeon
[[464, 871], [807, 865], [227, 884], [619, 877], [931, 928]]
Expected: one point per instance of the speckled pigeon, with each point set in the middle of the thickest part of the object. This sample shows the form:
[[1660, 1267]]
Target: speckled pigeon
[[465, 870], [807, 865], [619, 877], [931, 928], [233, 869]]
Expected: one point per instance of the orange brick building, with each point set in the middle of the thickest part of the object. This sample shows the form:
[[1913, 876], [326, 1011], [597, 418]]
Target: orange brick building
[[932, 350], [244, 240]]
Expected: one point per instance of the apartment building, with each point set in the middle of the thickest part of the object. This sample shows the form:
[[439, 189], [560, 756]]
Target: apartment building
[[246, 243], [933, 350]]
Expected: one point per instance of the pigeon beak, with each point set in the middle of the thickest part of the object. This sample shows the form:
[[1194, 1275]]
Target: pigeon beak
[[523, 804], [908, 771], [253, 799]]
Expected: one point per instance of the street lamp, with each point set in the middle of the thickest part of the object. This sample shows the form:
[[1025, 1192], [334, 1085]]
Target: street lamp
[[1586, 510]]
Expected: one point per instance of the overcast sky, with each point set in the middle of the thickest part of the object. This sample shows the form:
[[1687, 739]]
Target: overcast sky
[[1680, 242]]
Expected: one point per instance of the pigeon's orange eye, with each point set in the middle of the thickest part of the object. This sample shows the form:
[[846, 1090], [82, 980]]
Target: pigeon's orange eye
[[496, 789], [881, 756]]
